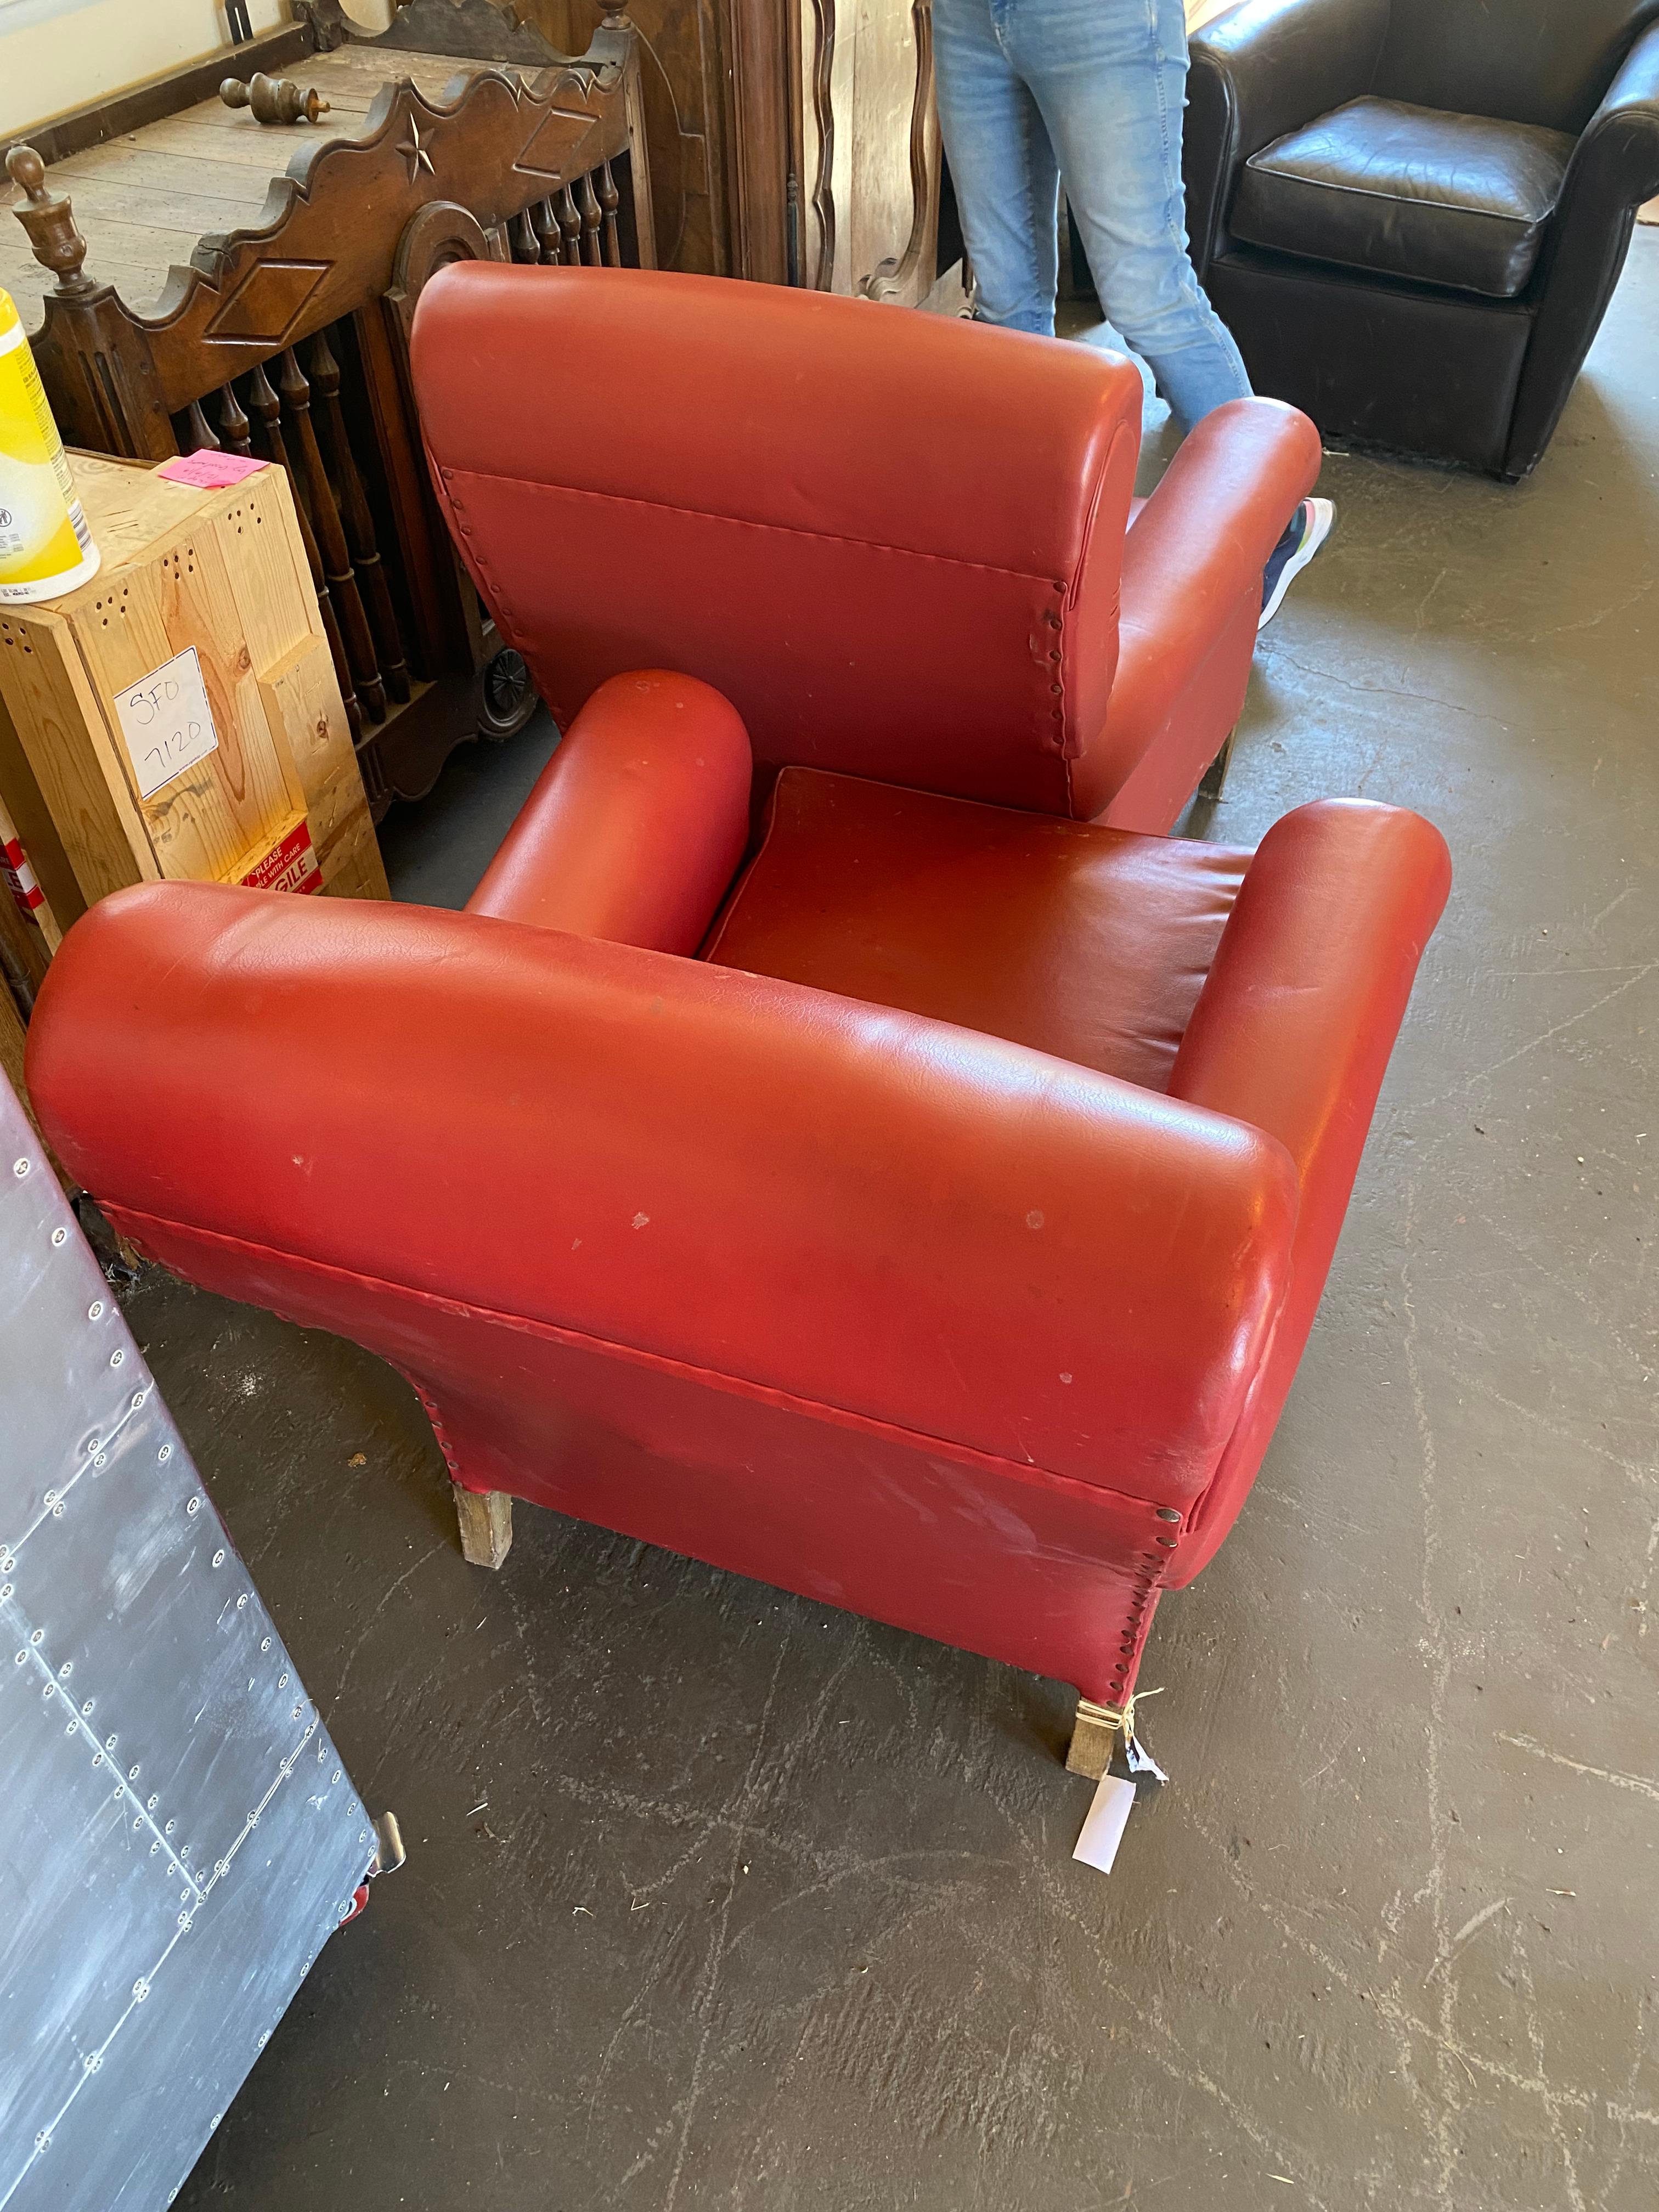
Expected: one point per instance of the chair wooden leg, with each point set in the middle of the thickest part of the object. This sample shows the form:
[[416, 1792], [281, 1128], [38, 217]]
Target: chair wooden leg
[[1216, 775], [486, 1519], [1092, 1739]]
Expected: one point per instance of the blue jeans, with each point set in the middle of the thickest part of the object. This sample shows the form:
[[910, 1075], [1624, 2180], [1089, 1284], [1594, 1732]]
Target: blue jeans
[[1091, 90]]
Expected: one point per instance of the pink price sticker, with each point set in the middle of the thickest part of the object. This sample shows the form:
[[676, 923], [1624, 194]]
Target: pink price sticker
[[207, 471]]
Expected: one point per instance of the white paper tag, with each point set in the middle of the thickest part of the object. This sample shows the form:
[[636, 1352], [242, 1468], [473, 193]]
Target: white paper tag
[[166, 722], [1103, 1828]]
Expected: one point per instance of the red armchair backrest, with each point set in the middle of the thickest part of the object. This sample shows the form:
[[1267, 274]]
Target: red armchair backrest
[[868, 529]]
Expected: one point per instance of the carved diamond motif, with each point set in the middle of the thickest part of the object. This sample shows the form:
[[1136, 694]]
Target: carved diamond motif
[[552, 145], [267, 302]]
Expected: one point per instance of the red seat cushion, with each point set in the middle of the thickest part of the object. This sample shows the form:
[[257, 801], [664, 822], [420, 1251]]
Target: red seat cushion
[[1089, 943]]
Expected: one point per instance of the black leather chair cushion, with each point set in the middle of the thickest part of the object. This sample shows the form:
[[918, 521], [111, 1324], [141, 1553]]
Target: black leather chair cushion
[[1459, 200]]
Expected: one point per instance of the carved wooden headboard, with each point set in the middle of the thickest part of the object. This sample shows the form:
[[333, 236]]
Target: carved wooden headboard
[[277, 323]]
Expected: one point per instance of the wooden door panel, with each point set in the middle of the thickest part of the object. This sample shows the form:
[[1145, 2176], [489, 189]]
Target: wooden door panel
[[870, 145]]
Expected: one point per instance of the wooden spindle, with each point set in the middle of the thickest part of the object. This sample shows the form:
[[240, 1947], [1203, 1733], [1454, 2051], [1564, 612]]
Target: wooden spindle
[[609, 200], [571, 224], [318, 494], [359, 523], [547, 231], [201, 434], [526, 246], [234, 423], [267, 414], [589, 203]]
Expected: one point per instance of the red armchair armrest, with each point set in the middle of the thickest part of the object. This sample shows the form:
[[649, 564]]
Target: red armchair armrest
[[1292, 1032], [636, 825], [1191, 601]]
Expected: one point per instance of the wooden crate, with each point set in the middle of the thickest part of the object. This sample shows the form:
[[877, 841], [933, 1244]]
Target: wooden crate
[[223, 573]]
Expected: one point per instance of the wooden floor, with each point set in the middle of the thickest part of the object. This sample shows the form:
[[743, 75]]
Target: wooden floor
[[144, 200]]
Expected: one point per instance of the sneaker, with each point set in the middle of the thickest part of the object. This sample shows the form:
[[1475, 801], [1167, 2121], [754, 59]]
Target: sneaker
[[1309, 526]]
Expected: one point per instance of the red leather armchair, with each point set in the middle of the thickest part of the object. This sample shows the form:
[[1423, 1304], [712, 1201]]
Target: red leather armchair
[[895, 543], [940, 1244]]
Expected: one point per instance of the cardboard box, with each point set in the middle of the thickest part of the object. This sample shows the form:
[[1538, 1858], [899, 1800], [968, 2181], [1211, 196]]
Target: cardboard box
[[178, 716]]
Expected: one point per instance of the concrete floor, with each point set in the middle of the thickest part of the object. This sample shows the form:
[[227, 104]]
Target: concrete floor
[[714, 1898]]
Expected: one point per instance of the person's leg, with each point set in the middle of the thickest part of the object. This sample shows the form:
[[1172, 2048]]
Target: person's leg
[[1003, 167], [1109, 76]]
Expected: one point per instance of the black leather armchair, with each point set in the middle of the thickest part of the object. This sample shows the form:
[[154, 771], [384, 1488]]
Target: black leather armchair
[[1411, 213]]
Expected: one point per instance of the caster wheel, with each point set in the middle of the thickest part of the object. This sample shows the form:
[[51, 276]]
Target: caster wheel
[[506, 697]]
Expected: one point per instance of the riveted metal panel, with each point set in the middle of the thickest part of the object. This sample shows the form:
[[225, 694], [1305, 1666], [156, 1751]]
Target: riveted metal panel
[[178, 1837]]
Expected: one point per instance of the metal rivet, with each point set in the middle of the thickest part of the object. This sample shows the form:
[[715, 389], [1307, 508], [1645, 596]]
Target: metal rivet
[[20, 1167], [59, 1236], [117, 1357], [1168, 1513], [94, 1309]]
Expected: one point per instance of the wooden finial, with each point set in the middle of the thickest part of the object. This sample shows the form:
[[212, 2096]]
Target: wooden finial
[[273, 98], [54, 239]]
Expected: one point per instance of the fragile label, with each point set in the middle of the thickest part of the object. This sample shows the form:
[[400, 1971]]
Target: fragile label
[[208, 470], [166, 722], [289, 866], [21, 878]]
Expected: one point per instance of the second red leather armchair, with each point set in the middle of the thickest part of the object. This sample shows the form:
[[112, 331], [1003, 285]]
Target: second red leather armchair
[[940, 1244]]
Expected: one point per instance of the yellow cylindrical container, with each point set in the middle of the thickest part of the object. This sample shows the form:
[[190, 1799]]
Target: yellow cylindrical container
[[46, 547]]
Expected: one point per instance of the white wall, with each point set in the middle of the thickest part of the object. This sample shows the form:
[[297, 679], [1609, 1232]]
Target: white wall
[[60, 54]]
